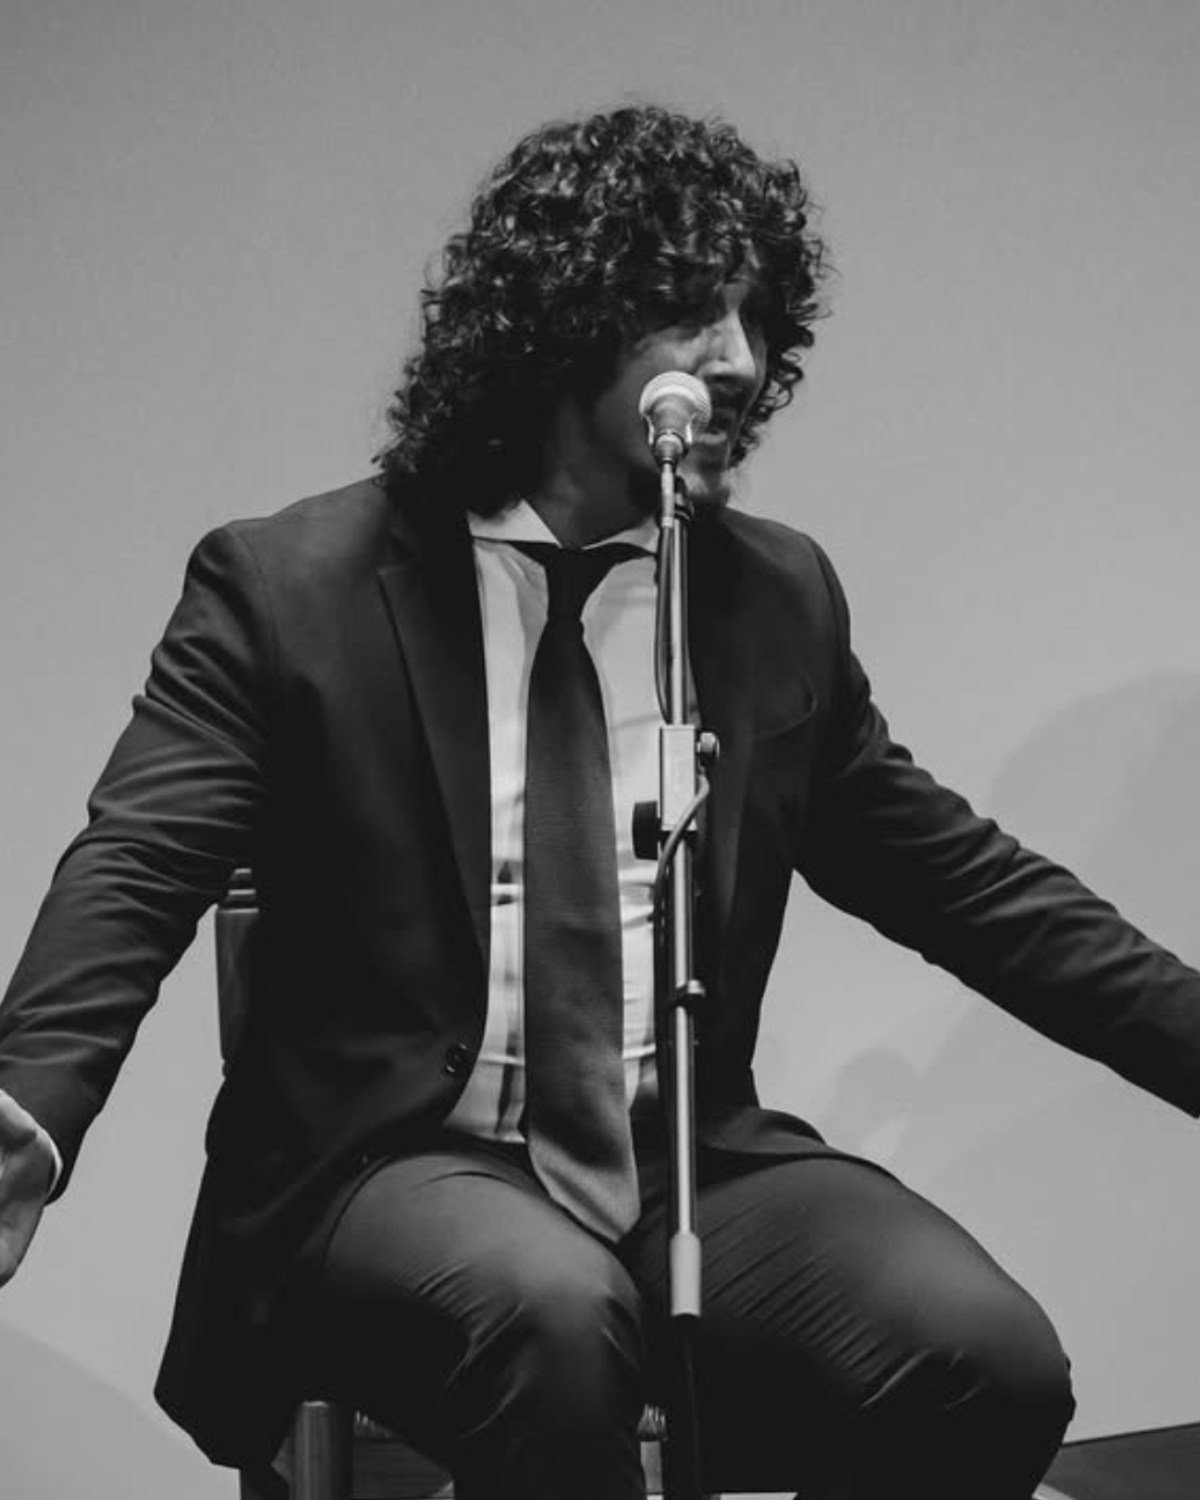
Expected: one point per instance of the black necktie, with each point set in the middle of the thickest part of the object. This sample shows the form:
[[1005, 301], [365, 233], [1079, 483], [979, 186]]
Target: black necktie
[[576, 1116]]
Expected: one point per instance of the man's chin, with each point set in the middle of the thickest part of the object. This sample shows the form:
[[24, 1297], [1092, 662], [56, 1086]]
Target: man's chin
[[708, 485]]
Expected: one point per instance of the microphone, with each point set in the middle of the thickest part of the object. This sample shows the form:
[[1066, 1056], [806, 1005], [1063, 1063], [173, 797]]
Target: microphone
[[677, 409]]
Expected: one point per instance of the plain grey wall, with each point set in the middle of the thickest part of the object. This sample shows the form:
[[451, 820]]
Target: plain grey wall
[[215, 222]]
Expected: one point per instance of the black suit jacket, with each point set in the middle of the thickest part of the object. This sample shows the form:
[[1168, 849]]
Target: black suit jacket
[[316, 710]]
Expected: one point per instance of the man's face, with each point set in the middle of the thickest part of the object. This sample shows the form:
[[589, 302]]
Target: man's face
[[722, 343]]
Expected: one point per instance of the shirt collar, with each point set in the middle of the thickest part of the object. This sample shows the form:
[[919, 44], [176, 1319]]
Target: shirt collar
[[521, 523]]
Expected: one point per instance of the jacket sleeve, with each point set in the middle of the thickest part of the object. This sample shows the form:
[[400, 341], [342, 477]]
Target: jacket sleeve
[[887, 843], [172, 814]]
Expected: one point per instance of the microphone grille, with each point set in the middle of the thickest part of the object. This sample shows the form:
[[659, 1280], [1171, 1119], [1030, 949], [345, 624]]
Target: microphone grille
[[675, 385]]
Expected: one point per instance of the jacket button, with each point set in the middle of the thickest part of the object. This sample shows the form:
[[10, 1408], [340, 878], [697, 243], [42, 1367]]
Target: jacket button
[[457, 1059]]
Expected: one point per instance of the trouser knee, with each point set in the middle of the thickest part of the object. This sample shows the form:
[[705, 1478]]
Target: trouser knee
[[1024, 1397], [992, 1406], [546, 1399], [566, 1350]]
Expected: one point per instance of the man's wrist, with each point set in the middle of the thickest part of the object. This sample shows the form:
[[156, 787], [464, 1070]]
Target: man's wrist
[[56, 1158], [30, 1132], [47, 1140], [21, 1133]]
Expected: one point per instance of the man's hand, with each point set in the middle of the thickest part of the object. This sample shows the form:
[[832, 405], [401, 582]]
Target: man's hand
[[26, 1172]]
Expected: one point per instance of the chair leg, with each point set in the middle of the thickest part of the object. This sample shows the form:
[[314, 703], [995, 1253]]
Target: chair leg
[[322, 1455]]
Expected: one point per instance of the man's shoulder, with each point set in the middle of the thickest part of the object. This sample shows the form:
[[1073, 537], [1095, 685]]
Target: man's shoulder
[[313, 549], [352, 519], [765, 547], [761, 531]]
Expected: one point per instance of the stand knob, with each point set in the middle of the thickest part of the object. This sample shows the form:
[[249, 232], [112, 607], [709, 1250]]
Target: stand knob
[[645, 830]]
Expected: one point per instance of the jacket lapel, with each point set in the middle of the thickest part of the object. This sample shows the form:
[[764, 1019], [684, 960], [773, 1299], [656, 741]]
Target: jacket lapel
[[722, 666], [433, 599]]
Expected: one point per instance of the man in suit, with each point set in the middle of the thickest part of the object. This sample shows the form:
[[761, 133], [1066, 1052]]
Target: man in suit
[[416, 1198]]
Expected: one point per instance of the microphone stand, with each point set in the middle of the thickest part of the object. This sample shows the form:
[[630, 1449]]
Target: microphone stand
[[669, 831]]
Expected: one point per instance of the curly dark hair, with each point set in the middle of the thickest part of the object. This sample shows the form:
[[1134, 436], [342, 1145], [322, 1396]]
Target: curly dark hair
[[587, 234]]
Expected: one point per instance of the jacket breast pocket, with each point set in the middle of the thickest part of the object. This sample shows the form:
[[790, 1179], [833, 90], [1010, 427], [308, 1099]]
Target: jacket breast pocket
[[777, 796]]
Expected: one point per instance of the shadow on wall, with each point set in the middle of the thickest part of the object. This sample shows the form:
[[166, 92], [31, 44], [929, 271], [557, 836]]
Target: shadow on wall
[[1083, 1186], [987, 1116], [1110, 788], [64, 1435]]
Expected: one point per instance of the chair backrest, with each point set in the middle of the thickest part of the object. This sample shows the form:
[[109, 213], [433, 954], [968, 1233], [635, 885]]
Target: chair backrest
[[234, 924]]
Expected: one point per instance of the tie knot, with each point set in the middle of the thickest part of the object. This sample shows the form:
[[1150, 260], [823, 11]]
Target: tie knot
[[572, 575]]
